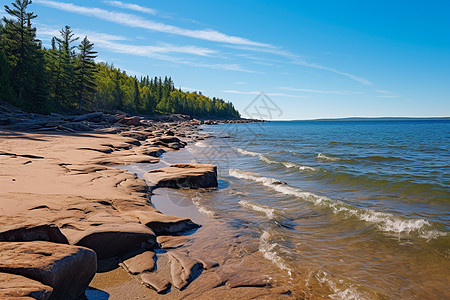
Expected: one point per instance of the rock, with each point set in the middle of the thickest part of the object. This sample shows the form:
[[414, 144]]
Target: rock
[[151, 151], [24, 232], [94, 117], [162, 224], [184, 176], [159, 284], [140, 263], [16, 286], [5, 121], [171, 242], [208, 264], [135, 121], [67, 269], [183, 269], [77, 126], [109, 237]]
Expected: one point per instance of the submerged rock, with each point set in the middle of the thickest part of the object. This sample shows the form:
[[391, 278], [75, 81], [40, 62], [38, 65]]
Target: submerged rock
[[184, 176]]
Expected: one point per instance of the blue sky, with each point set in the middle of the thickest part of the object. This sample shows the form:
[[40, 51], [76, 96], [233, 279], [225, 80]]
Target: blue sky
[[314, 59]]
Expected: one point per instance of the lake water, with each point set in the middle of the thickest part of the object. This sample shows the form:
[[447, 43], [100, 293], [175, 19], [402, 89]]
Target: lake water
[[347, 210]]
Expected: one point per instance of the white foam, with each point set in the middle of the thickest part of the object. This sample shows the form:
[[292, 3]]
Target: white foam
[[268, 211], [384, 221], [268, 250], [264, 158], [202, 144], [324, 157], [245, 152], [341, 293], [201, 208]]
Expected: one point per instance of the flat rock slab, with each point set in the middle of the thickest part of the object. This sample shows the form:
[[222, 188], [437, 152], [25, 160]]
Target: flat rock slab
[[184, 176], [156, 282], [183, 269], [162, 224], [16, 286], [67, 269], [140, 263]]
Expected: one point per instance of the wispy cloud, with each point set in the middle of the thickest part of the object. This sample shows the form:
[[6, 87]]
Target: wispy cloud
[[257, 93], [385, 94], [320, 91], [299, 60], [139, 22], [160, 52], [131, 6]]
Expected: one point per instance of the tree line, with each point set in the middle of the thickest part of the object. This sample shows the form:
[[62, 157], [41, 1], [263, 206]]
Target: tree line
[[65, 77]]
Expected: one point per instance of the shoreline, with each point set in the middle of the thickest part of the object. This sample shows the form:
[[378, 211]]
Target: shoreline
[[48, 176]]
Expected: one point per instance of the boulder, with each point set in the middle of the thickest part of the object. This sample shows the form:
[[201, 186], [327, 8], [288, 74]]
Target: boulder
[[17, 287], [67, 269], [135, 121], [184, 176], [77, 126]]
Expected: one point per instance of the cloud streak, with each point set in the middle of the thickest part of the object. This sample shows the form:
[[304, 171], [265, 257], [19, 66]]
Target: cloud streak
[[298, 60], [320, 91], [135, 21], [161, 52], [131, 6], [257, 93]]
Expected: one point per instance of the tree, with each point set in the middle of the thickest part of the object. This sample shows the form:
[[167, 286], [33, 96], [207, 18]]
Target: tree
[[85, 71], [64, 58], [6, 90], [23, 51]]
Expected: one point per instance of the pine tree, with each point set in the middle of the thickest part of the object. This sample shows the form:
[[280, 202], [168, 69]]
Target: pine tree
[[85, 72], [23, 51], [65, 91]]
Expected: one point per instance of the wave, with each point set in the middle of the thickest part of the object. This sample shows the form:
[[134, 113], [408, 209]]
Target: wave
[[270, 212], [343, 292], [268, 251], [202, 144], [321, 156], [201, 208], [384, 221], [267, 160]]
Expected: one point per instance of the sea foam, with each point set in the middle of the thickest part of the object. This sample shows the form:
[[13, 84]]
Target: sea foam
[[267, 160], [384, 221], [268, 211]]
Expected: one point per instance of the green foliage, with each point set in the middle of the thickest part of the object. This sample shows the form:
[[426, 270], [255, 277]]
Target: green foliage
[[65, 78], [85, 72]]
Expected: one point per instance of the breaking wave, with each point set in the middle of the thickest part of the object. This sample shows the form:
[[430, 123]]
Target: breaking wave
[[384, 221]]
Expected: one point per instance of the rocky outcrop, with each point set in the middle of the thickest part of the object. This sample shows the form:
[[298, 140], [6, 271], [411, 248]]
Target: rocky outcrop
[[24, 230], [19, 287], [184, 176], [65, 268], [156, 282]]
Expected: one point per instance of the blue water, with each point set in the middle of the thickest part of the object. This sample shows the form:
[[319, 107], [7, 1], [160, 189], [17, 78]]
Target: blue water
[[355, 209]]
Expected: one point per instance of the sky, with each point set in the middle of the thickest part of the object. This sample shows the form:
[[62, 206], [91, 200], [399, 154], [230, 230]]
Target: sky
[[311, 59]]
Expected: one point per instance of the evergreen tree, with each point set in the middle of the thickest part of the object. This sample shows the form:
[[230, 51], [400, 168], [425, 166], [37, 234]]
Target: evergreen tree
[[85, 72], [6, 90], [23, 51], [64, 58]]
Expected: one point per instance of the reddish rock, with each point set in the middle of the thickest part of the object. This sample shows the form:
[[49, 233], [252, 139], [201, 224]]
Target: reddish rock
[[67, 269], [19, 287], [184, 176]]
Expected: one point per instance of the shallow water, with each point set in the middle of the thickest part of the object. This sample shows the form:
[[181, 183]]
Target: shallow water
[[351, 210]]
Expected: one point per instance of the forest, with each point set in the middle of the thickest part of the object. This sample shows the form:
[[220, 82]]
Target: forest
[[65, 78]]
